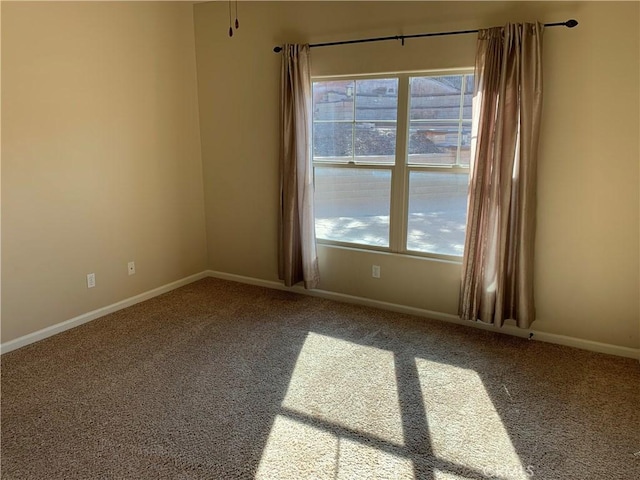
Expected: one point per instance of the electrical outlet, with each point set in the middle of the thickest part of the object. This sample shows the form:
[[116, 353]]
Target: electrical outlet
[[375, 271], [131, 266], [91, 280]]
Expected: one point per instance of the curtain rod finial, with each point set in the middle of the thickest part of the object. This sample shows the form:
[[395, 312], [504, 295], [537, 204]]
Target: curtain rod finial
[[277, 49], [571, 23]]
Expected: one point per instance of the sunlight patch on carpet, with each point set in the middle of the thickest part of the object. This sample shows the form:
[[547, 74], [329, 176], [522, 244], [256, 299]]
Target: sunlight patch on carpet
[[441, 475], [357, 460], [362, 398], [464, 426], [295, 450], [298, 451]]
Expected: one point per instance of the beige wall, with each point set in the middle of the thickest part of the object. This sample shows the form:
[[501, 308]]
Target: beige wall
[[100, 156], [587, 283], [101, 152]]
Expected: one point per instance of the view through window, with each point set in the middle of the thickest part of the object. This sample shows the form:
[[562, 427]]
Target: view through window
[[391, 161]]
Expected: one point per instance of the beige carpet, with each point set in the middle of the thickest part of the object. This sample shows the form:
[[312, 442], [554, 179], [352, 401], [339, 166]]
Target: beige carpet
[[221, 380]]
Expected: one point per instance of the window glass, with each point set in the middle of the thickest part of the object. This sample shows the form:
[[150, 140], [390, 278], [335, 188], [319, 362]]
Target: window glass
[[435, 98], [355, 144], [465, 145], [333, 100], [352, 205], [375, 142], [437, 212], [333, 141], [434, 143], [377, 99]]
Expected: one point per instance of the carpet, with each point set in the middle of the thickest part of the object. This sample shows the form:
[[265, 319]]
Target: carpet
[[220, 380]]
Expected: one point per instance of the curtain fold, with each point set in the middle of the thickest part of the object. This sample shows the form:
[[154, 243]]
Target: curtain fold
[[497, 270], [297, 258]]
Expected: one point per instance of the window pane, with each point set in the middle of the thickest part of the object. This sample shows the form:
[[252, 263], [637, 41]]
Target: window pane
[[437, 212], [465, 145], [352, 205], [469, 83], [377, 99], [333, 141], [468, 96], [333, 100], [375, 142], [434, 143], [435, 98]]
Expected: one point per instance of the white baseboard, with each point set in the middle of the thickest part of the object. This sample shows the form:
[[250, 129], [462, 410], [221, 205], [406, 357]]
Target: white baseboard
[[95, 314], [447, 317], [341, 297]]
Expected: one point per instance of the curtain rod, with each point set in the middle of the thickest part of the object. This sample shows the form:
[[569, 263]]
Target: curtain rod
[[569, 24]]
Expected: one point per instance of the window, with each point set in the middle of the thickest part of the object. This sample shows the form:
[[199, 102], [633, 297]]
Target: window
[[391, 162]]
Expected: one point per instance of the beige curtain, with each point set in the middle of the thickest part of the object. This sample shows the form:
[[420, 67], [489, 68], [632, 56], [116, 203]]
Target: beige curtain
[[297, 259], [497, 271]]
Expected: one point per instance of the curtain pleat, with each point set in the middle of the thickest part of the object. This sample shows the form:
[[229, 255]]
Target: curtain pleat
[[297, 257], [497, 271]]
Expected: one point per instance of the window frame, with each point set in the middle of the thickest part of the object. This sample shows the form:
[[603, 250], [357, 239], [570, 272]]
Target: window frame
[[401, 168]]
